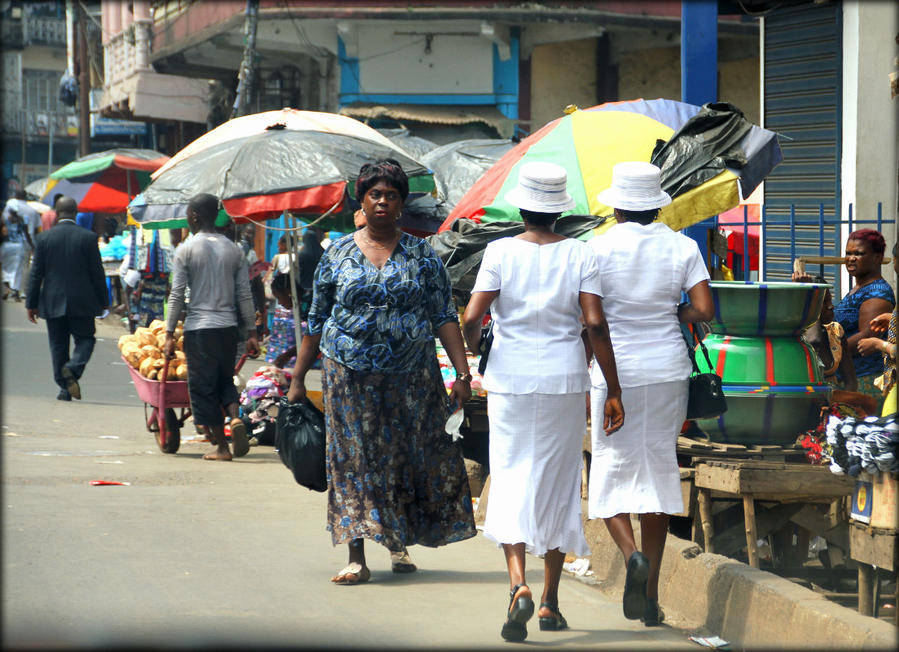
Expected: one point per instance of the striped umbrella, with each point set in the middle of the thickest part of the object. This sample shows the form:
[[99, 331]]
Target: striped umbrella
[[104, 182], [588, 143]]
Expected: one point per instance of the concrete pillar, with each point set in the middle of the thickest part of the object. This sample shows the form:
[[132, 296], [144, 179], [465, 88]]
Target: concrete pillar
[[870, 137], [142, 26], [113, 9], [699, 75], [125, 12]]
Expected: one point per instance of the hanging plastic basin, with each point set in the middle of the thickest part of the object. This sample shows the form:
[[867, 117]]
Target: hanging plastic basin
[[760, 360], [774, 309]]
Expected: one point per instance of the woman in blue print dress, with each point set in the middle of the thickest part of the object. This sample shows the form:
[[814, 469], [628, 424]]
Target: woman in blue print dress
[[870, 296], [379, 298]]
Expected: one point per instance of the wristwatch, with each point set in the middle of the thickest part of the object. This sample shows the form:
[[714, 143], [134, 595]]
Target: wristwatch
[[465, 378]]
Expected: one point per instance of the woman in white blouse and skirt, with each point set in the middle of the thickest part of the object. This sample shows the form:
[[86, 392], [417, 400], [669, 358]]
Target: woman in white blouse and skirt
[[538, 285], [644, 266]]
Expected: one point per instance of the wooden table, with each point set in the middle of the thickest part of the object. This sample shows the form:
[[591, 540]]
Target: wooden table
[[789, 484]]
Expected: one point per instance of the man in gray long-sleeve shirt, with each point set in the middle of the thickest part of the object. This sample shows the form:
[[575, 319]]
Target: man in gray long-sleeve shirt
[[221, 307]]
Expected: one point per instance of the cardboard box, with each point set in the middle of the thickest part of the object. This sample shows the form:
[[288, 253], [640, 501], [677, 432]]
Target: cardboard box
[[874, 501]]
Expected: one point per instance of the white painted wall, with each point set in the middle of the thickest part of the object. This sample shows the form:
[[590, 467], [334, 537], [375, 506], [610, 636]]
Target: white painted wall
[[459, 63], [870, 151]]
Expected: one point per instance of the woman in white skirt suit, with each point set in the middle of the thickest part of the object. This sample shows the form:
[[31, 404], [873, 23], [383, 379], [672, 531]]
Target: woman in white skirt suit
[[538, 286], [644, 267]]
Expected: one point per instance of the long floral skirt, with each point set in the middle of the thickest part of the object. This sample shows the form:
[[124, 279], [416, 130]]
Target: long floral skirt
[[394, 475]]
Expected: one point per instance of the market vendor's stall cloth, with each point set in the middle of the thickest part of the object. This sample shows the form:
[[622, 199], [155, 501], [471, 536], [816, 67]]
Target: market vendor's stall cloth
[[259, 402]]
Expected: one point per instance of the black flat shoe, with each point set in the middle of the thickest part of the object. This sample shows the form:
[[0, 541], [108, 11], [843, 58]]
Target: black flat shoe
[[555, 622], [652, 615], [634, 600], [63, 396], [71, 383], [519, 613]]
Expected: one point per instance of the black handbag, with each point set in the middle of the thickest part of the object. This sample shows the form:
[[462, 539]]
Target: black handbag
[[300, 440], [706, 398], [484, 345]]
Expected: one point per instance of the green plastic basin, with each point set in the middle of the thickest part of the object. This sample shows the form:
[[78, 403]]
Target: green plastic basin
[[773, 309]]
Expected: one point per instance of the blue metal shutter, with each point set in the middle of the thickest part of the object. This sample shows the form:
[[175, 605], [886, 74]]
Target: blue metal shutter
[[803, 90]]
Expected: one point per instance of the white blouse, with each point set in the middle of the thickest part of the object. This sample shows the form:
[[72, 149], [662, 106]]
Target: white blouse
[[644, 269], [537, 345]]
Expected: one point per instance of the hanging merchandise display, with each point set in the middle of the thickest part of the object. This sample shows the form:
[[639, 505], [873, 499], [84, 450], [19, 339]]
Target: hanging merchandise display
[[868, 445]]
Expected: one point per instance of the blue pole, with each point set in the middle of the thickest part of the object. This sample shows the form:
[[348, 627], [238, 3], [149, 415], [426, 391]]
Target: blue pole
[[746, 265], [764, 239], [879, 216], [699, 75], [850, 217], [821, 237], [792, 233]]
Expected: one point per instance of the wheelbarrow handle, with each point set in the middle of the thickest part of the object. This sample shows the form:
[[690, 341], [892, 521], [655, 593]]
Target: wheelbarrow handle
[[240, 362]]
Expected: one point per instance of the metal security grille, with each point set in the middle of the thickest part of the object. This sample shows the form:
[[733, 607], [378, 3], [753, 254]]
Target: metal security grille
[[802, 87]]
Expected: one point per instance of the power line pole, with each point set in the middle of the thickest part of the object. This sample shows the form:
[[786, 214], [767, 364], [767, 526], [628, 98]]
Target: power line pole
[[248, 64], [84, 87]]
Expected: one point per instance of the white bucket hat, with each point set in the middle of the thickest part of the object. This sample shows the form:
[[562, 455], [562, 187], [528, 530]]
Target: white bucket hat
[[541, 188], [635, 187]]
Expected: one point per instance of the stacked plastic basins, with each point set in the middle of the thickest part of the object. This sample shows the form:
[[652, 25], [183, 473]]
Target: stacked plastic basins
[[772, 379]]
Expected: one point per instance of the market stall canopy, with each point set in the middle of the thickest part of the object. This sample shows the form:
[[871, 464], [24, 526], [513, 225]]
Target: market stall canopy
[[38, 188], [709, 156], [302, 162], [457, 166], [434, 114], [104, 182]]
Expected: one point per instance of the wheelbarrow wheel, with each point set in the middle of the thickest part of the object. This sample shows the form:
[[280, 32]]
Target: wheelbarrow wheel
[[172, 435]]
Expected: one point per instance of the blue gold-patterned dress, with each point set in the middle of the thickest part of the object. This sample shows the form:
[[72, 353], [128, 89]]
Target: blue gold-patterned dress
[[394, 475]]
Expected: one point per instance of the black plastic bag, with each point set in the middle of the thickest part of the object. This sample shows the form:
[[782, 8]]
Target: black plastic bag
[[484, 346], [300, 440]]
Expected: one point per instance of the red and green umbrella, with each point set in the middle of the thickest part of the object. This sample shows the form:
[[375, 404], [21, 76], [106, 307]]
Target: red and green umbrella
[[261, 165], [104, 182], [588, 143]]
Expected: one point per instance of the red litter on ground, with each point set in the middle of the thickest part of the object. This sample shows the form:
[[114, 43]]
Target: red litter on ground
[[105, 483]]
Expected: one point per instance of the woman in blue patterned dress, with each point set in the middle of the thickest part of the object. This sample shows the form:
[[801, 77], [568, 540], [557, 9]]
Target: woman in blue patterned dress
[[379, 298], [870, 296]]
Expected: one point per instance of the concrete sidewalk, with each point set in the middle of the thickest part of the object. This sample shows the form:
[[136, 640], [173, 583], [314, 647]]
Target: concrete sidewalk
[[747, 607]]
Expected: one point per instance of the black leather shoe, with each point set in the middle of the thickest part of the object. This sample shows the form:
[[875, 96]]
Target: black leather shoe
[[63, 396], [72, 385], [634, 600]]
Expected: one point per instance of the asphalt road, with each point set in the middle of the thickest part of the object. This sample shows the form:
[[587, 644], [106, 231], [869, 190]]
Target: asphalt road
[[208, 554]]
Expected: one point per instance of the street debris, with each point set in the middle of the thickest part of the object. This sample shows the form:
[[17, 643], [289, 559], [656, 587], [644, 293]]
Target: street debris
[[108, 483], [715, 642]]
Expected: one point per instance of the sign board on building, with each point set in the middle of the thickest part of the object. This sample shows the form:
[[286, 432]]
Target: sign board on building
[[101, 126]]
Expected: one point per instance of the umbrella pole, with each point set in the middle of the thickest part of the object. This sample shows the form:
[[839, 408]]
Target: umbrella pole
[[292, 257]]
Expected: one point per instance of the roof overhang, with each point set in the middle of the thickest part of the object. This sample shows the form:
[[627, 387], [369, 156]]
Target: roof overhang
[[433, 114]]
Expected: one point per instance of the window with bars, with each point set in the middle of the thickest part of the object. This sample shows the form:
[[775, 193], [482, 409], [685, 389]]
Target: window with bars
[[40, 92]]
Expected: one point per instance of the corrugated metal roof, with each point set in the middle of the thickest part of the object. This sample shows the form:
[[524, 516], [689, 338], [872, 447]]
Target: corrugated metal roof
[[433, 114]]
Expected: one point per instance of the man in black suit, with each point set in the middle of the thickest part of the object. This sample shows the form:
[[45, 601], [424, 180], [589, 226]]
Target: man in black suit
[[68, 289]]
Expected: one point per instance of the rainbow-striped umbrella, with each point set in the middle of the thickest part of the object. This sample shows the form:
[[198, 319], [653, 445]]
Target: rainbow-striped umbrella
[[104, 182], [589, 142]]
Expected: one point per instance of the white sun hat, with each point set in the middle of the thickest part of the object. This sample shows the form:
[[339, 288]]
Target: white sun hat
[[635, 187], [541, 188]]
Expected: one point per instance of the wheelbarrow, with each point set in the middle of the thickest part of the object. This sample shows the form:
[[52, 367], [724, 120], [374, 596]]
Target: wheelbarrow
[[166, 405]]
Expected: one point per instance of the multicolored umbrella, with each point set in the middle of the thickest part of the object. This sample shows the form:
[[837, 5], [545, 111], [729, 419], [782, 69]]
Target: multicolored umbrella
[[104, 182], [709, 156], [261, 165]]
